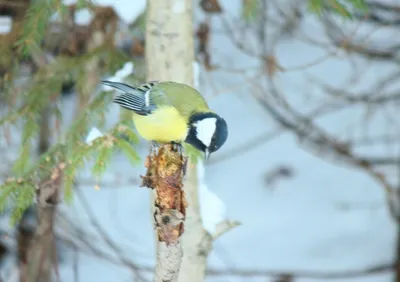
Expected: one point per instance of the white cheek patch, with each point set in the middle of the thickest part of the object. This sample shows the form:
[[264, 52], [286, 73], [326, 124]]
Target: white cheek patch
[[205, 130]]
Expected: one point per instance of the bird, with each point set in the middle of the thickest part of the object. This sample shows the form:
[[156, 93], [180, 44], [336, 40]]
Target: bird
[[172, 112]]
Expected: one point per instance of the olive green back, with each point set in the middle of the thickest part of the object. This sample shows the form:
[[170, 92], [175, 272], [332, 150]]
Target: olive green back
[[183, 97]]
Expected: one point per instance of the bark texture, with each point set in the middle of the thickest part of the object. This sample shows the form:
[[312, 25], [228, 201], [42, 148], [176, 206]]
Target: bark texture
[[164, 174], [170, 56], [40, 259], [169, 41], [42, 256]]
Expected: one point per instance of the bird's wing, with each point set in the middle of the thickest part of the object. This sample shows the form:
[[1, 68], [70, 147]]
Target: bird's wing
[[137, 99]]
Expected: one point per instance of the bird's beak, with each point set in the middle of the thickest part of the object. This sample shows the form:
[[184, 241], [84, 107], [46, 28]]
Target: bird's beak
[[206, 154]]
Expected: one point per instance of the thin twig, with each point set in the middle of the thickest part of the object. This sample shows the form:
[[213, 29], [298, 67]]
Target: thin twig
[[76, 264], [306, 274], [104, 235], [356, 273]]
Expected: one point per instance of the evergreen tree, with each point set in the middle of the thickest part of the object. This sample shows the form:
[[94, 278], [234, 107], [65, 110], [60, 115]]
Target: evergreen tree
[[27, 101]]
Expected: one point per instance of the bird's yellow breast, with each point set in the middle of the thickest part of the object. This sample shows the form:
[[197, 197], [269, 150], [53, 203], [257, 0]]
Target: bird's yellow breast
[[163, 125]]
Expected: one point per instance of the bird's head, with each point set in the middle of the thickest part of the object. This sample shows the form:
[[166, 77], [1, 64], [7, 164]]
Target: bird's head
[[207, 132]]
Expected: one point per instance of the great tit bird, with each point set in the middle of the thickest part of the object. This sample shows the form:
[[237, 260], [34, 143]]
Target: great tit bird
[[171, 112]]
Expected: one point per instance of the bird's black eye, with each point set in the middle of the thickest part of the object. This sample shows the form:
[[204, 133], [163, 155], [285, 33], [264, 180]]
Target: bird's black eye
[[213, 142]]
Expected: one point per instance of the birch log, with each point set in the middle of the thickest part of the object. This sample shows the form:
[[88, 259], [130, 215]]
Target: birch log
[[170, 56]]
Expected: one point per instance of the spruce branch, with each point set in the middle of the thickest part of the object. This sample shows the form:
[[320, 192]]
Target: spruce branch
[[164, 175], [32, 104], [35, 25]]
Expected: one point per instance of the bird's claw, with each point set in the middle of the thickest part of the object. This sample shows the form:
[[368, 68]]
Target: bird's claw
[[154, 147], [177, 147], [184, 165]]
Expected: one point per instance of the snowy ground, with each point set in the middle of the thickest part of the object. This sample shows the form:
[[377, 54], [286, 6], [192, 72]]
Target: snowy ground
[[326, 218]]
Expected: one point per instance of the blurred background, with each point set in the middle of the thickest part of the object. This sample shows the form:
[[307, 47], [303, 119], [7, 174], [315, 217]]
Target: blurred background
[[310, 92]]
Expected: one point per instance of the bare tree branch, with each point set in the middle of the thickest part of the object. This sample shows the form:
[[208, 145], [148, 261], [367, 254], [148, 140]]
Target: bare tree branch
[[312, 274], [105, 237]]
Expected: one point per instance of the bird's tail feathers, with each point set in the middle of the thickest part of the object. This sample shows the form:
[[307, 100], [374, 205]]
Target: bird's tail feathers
[[119, 85]]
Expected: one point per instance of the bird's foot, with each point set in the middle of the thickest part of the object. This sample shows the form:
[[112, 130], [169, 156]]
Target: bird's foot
[[154, 147], [155, 144], [184, 165], [176, 146], [179, 148]]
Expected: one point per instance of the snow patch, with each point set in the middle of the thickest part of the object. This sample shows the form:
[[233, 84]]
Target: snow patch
[[83, 17], [5, 24], [212, 210], [94, 133], [127, 10], [125, 71], [120, 75], [69, 2], [10, 274]]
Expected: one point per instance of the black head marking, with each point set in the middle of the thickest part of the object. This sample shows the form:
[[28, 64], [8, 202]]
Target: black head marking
[[219, 137]]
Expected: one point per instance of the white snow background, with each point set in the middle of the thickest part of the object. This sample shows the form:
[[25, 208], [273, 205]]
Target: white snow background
[[298, 225]]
